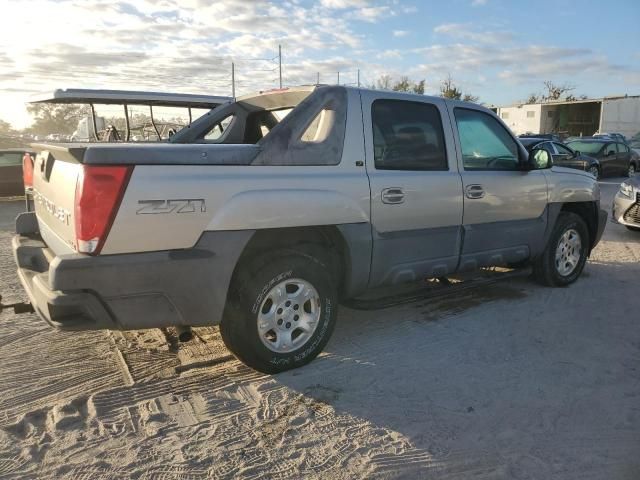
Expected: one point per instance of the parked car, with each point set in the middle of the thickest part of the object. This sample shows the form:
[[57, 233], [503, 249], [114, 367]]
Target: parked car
[[546, 136], [264, 225], [626, 204], [615, 158], [11, 181], [563, 156]]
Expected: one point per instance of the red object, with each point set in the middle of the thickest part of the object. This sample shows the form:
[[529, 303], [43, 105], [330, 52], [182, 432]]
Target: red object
[[99, 191], [27, 170]]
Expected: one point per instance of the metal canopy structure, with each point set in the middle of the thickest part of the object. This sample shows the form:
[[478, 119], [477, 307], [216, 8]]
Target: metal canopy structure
[[130, 97], [127, 98]]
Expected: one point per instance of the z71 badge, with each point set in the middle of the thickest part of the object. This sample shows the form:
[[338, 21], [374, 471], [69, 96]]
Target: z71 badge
[[155, 207]]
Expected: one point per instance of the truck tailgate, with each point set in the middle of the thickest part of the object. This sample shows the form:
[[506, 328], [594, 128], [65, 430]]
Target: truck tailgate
[[54, 188]]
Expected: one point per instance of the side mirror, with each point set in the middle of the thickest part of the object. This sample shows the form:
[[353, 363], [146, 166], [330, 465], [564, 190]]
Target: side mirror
[[539, 159]]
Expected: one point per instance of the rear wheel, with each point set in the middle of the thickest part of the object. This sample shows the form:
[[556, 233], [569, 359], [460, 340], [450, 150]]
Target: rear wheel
[[565, 255], [281, 311]]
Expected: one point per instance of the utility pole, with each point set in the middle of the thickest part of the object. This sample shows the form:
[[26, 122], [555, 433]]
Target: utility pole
[[280, 63], [358, 78], [318, 79], [233, 80], [338, 78]]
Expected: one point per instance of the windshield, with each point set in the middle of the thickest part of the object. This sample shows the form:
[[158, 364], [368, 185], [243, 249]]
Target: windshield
[[586, 147]]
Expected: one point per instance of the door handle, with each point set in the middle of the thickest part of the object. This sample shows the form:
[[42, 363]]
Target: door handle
[[392, 195], [474, 191]]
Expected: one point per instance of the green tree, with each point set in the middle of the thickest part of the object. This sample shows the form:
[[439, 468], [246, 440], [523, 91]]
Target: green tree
[[51, 118], [5, 127], [533, 98], [383, 83], [404, 84], [407, 85], [448, 89]]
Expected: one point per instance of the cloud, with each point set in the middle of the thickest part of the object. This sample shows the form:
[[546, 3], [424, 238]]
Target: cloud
[[390, 54], [515, 65], [466, 31], [408, 9], [478, 3], [154, 45], [342, 4], [372, 14]]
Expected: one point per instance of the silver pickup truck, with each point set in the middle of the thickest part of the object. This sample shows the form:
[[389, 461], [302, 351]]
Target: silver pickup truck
[[264, 214]]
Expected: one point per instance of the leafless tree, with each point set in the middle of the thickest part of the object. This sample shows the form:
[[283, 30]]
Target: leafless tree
[[556, 91]]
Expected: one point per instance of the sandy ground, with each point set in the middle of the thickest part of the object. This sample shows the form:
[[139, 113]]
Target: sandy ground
[[511, 381]]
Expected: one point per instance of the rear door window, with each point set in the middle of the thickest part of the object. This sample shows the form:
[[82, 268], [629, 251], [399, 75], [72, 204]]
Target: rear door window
[[622, 148], [548, 146], [610, 150], [562, 150], [407, 136]]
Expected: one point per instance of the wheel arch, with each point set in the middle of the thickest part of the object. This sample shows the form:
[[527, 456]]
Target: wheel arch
[[347, 249], [588, 211]]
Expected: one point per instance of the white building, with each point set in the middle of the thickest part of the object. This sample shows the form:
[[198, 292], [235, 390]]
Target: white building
[[579, 117]]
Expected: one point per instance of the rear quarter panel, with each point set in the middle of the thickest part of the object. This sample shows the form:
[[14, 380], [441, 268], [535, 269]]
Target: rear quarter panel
[[193, 199]]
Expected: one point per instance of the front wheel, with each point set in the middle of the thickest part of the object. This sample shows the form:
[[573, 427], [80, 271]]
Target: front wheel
[[594, 171], [565, 255], [631, 171], [281, 311]]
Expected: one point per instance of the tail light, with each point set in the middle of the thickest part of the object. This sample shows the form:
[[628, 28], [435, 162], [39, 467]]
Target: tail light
[[99, 191], [27, 171]]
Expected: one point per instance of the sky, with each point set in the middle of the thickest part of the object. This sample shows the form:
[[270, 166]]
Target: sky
[[499, 50]]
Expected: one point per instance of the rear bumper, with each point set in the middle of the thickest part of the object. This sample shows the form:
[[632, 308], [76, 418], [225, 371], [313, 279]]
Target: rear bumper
[[130, 291], [74, 310]]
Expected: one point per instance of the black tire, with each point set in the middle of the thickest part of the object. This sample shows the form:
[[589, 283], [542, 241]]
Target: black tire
[[544, 268], [631, 171], [248, 291], [595, 171]]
